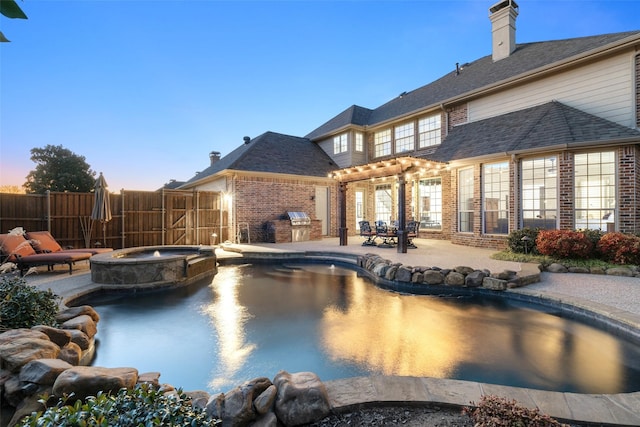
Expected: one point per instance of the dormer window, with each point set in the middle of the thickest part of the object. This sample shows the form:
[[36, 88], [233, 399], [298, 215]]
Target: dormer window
[[340, 144]]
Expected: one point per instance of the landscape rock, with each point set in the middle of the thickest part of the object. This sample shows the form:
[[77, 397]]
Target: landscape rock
[[235, 408], [464, 270], [475, 278], [20, 346], [264, 402], [454, 279], [43, 371], [86, 381], [494, 284], [557, 268], [403, 274], [620, 271], [432, 277], [302, 398], [58, 336], [80, 338], [84, 323], [266, 420], [72, 312], [71, 353]]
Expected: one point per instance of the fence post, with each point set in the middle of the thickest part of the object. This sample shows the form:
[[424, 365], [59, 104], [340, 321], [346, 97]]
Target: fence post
[[49, 211]]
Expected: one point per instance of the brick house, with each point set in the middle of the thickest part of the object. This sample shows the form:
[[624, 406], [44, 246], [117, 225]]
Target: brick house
[[541, 134]]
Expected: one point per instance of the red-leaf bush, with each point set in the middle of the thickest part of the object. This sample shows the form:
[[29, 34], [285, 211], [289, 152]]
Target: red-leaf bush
[[620, 248], [564, 244]]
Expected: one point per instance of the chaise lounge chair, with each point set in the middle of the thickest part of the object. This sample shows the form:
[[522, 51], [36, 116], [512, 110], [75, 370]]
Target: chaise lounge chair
[[43, 242], [17, 249]]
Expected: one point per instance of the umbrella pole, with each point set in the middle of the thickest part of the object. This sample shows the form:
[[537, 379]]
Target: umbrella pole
[[104, 234]]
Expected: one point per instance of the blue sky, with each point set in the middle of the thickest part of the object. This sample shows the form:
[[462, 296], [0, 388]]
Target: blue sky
[[146, 89]]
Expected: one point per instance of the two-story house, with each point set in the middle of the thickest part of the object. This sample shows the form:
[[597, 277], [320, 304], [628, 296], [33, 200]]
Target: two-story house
[[540, 134]]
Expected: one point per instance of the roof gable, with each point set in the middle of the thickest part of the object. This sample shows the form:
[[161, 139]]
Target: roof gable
[[545, 126], [354, 115], [275, 153]]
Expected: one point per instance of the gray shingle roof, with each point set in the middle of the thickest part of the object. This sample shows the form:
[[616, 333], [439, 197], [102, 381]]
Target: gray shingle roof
[[544, 126], [478, 74], [276, 153], [354, 115]]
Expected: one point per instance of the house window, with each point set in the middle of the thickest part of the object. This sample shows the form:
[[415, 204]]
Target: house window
[[539, 192], [430, 203], [429, 132], [595, 190], [359, 145], [465, 201], [496, 198], [404, 137], [382, 142], [384, 203], [340, 143]]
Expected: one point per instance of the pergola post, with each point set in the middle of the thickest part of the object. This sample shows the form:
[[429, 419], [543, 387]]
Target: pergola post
[[402, 209], [343, 214]]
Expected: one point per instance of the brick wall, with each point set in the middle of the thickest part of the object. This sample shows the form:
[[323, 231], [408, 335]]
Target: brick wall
[[628, 171], [456, 115], [262, 199]]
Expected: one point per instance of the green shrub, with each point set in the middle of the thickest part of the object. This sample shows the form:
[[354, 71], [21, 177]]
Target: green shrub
[[517, 245], [494, 411], [620, 248], [141, 406], [564, 244], [23, 306]]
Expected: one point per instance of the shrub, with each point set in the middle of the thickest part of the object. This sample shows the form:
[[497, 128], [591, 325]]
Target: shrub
[[564, 244], [516, 244], [23, 306], [494, 411], [140, 406], [620, 248]]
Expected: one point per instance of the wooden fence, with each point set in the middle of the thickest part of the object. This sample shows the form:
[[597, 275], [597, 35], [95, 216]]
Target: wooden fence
[[140, 218]]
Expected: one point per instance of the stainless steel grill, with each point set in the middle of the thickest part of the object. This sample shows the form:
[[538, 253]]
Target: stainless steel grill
[[300, 222]]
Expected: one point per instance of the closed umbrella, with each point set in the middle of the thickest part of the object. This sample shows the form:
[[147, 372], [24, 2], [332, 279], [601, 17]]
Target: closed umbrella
[[101, 207]]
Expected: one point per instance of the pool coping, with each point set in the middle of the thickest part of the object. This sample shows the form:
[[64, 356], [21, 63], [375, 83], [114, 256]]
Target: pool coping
[[358, 392]]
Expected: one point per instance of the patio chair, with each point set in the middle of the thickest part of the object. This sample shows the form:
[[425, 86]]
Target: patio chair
[[412, 233], [16, 249], [388, 235], [367, 232], [43, 242]]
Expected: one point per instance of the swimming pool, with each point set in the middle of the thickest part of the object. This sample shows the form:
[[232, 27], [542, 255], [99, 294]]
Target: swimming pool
[[254, 320]]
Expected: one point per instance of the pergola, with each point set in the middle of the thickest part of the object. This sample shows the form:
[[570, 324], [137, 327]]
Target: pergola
[[403, 168]]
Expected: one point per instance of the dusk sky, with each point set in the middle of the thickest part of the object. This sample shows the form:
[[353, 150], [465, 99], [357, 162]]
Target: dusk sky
[[144, 90]]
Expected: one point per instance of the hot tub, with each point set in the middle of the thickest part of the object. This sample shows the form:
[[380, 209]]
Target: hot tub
[[153, 266]]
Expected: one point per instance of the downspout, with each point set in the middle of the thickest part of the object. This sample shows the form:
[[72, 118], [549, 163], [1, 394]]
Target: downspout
[[516, 192], [122, 213]]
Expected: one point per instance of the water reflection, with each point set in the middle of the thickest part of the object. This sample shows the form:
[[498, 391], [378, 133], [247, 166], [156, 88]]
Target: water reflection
[[423, 336], [228, 317]]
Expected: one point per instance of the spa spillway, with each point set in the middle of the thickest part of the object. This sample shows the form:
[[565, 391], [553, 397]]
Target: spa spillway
[[154, 266]]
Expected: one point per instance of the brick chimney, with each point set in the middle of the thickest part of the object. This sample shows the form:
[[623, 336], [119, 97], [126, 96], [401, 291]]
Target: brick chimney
[[214, 156], [503, 28]]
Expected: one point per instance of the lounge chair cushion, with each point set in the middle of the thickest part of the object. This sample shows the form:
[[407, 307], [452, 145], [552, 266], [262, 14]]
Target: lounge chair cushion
[[43, 241], [12, 245]]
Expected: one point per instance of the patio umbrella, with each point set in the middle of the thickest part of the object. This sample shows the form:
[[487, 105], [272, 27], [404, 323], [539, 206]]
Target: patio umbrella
[[102, 207]]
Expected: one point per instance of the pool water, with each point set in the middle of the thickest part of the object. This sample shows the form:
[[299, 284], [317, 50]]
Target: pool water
[[254, 320]]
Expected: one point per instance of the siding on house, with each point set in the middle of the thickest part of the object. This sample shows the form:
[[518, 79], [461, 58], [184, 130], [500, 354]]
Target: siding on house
[[604, 89]]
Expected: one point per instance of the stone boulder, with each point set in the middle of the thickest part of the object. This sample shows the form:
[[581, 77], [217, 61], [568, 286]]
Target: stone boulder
[[71, 353], [43, 371], [454, 279], [83, 323], [84, 381], [557, 268], [302, 398], [80, 338], [236, 407], [58, 336], [404, 274], [432, 277], [475, 278], [20, 346], [72, 312]]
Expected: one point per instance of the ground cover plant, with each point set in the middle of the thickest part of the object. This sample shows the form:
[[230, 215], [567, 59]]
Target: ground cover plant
[[141, 406], [23, 306]]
